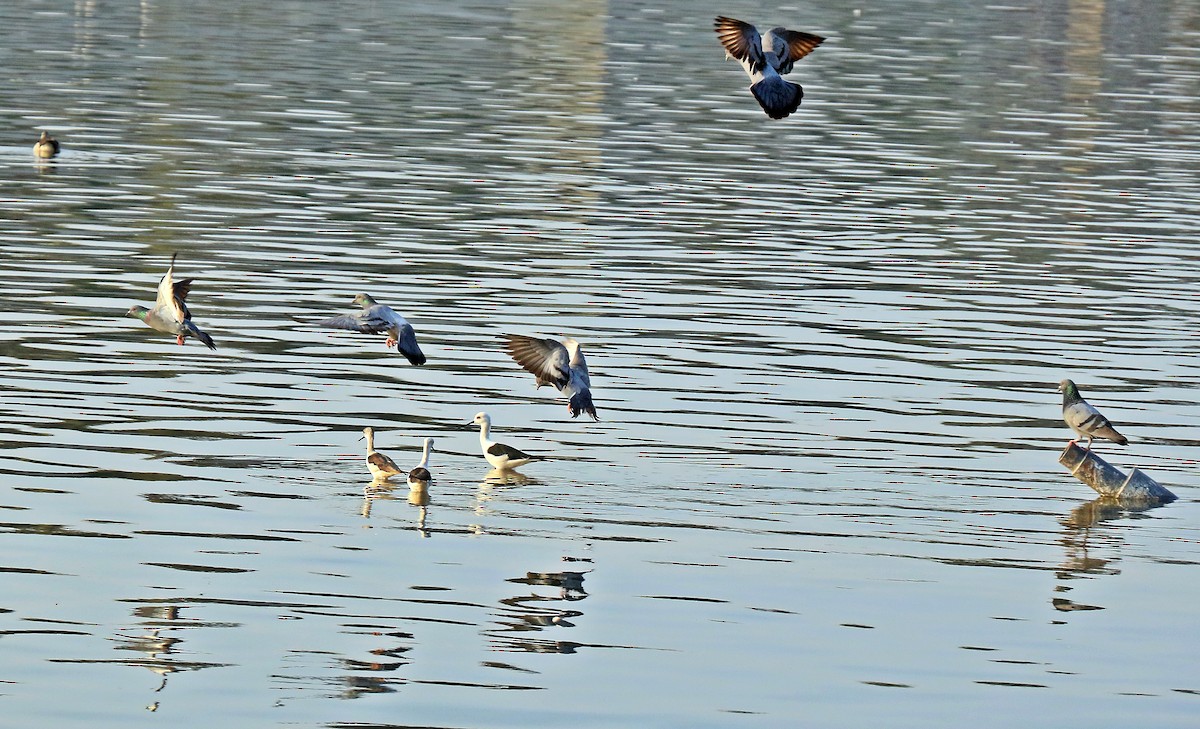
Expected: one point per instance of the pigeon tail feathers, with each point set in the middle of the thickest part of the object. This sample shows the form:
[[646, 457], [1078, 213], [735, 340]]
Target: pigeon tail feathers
[[582, 402], [777, 97]]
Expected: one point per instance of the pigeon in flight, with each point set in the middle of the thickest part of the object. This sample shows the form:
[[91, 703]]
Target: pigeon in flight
[[170, 314], [375, 318], [766, 58], [561, 365]]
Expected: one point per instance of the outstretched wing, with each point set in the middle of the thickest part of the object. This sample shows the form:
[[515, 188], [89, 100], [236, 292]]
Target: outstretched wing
[[545, 359], [368, 321], [799, 44], [741, 41], [171, 294]]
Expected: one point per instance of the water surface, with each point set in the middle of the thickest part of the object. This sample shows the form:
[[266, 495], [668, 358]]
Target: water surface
[[824, 487]]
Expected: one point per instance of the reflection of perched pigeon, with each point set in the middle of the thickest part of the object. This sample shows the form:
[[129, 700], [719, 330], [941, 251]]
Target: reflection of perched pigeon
[[170, 314], [501, 457], [1085, 419], [420, 476], [381, 466], [46, 146], [765, 59], [561, 365], [376, 318]]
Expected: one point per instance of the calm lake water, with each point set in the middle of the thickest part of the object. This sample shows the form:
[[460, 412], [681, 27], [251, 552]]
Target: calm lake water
[[824, 490]]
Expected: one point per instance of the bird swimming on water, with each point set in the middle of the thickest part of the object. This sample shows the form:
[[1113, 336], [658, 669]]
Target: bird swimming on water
[[46, 146], [1085, 419], [766, 58], [375, 318], [381, 466], [502, 457], [170, 313], [561, 365]]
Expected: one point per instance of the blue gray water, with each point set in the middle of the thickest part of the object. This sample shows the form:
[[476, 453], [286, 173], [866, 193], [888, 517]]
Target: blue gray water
[[824, 490]]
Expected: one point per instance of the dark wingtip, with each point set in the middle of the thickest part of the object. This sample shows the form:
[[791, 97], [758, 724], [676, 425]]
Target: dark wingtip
[[208, 341], [417, 359]]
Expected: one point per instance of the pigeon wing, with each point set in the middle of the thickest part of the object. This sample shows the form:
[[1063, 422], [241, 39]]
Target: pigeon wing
[[358, 322], [169, 300], [545, 359], [741, 40], [406, 343], [1085, 419], [799, 44]]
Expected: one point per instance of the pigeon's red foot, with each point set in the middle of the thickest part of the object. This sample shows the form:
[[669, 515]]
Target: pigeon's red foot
[[391, 342], [179, 340]]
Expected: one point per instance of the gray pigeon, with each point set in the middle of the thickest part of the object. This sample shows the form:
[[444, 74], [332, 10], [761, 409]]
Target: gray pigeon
[[561, 365], [375, 318], [765, 59], [170, 314], [1085, 419]]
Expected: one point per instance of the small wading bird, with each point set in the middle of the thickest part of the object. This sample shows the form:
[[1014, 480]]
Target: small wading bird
[[502, 457], [380, 465], [46, 146], [420, 476], [1085, 419], [375, 318], [766, 58], [170, 314], [561, 365]]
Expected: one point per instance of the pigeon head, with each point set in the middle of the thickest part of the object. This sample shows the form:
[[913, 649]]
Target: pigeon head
[[364, 300], [138, 312], [1070, 391]]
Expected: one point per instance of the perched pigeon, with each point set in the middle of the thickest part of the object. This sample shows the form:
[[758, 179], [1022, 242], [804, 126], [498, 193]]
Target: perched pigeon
[[765, 60], [420, 476], [376, 318], [381, 466], [561, 365], [501, 457], [46, 146], [1085, 419], [170, 314]]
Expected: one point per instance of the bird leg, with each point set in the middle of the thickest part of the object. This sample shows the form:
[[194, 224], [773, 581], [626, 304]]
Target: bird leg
[[179, 340], [391, 342], [1089, 445]]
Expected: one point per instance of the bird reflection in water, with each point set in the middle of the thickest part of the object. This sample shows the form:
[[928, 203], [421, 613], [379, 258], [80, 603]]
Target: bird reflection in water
[[534, 612], [1084, 534], [499, 478], [158, 649], [383, 489]]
